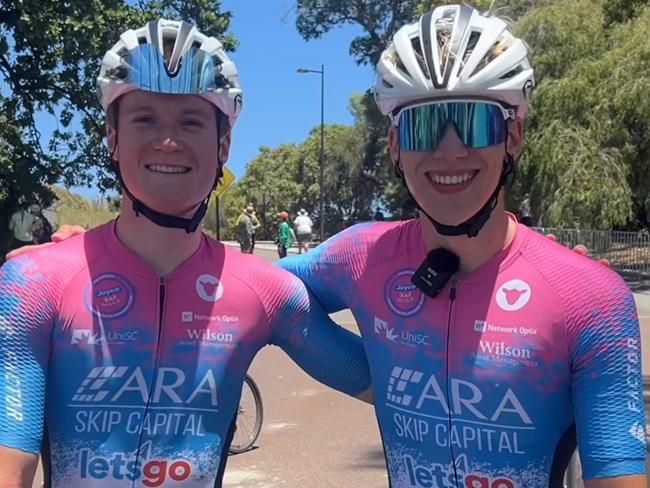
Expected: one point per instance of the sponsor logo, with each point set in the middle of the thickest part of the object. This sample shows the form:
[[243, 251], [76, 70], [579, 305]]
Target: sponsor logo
[[199, 317], [152, 472], [159, 423], [109, 296], [209, 288], [112, 383], [483, 326], [502, 353], [422, 393], [381, 328], [513, 295], [502, 349], [441, 476], [402, 296], [635, 402], [208, 338], [638, 432], [87, 337], [411, 339]]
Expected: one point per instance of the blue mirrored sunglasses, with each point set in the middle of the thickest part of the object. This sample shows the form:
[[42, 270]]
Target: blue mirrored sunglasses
[[479, 124]]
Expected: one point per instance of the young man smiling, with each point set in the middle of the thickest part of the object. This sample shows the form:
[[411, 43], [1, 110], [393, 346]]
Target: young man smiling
[[492, 349], [123, 351]]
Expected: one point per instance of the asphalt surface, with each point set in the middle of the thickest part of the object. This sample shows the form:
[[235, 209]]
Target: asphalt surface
[[317, 438]]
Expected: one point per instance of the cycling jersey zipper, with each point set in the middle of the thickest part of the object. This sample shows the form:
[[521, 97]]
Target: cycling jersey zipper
[[162, 304], [453, 293], [161, 309]]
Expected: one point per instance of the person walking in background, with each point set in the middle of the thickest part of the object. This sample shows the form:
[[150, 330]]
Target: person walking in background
[[245, 231], [284, 234], [256, 225], [41, 228], [525, 214], [20, 225], [304, 227]]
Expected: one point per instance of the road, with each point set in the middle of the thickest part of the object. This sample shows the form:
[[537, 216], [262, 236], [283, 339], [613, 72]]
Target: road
[[314, 437]]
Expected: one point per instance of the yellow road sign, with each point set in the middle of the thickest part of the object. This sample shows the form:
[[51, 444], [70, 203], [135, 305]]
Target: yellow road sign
[[225, 182]]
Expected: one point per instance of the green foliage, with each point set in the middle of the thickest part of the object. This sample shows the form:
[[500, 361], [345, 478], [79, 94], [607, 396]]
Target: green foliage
[[49, 58], [379, 19], [75, 209], [588, 132], [622, 10], [588, 160]]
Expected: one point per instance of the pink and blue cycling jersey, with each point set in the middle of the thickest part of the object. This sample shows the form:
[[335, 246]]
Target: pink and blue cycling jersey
[[126, 379], [486, 385]]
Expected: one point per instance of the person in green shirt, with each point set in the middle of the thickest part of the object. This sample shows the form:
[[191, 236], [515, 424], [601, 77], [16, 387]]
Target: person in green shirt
[[284, 240]]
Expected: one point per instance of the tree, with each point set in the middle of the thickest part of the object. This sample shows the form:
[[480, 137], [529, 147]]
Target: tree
[[49, 58], [379, 20], [588, 162]]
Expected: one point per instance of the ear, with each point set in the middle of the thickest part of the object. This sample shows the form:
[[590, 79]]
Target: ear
[[393, 146], [111, 138], [516, 138]]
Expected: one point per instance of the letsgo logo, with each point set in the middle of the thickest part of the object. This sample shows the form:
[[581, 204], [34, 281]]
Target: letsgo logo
[[439, 476], [153, 472]]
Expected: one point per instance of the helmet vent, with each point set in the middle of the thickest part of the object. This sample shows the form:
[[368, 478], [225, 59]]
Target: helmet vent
[[400, 66], [417, 50], [512, 73], [471, 44], [497, 49]]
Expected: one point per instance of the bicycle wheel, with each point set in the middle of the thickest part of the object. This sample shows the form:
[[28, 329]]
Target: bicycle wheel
[[250, 413]]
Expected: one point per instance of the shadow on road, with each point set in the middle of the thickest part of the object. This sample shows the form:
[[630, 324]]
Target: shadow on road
[[373, 458]]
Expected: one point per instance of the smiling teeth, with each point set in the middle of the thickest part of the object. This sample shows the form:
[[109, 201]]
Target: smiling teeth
[[452, 180], [159, 168]]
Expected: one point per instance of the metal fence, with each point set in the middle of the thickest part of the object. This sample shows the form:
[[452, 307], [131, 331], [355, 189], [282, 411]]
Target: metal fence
[[627, 252]]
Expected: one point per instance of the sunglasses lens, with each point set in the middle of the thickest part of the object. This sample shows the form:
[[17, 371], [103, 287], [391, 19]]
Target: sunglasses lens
[[478, 125]]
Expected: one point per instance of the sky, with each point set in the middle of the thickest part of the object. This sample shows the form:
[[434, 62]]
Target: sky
[[281, 105]]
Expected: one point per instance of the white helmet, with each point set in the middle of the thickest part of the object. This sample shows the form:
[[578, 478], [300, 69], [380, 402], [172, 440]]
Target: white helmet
[[454, 51], [167, 56]]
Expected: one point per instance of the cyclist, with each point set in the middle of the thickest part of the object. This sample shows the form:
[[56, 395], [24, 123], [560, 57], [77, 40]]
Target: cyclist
[[490, 346], [123, 350]]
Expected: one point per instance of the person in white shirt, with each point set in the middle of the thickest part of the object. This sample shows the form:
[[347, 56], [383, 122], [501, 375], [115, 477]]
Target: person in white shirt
[[303, 225], [21, 224]]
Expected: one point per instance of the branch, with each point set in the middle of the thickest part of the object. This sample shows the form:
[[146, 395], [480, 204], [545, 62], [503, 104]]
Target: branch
[[11, 74], [9, 16]]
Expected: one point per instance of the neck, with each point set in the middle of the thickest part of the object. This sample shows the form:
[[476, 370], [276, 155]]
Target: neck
[[161, 248], [496, 235]]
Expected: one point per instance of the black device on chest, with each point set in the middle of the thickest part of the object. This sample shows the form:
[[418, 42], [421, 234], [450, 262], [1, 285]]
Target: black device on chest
[[435, 271]]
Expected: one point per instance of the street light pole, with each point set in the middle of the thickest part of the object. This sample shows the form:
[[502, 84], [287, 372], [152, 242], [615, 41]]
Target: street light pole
[[321, 178]]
